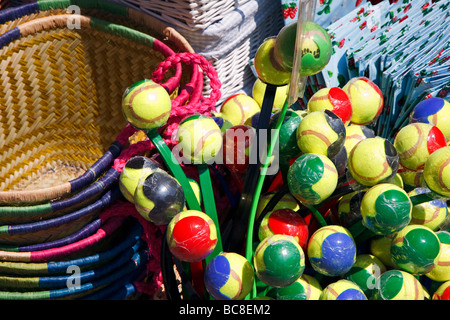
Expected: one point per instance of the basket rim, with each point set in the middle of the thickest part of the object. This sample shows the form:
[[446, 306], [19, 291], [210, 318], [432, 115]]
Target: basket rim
[[33, 26]]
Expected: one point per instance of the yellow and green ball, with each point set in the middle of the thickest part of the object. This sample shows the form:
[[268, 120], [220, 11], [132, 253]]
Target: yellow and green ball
[[436, 172], [304, 288], [342, 290], [366, 98], [199, 139], [266, 66], [133, 170], [312, 178], [441, 271], [415, 249], [229, 276], [146, 105], [431, 214], [279, 260], [321, 132], [386, 209], [373, 161], [435, 111], [355, 133], [398, 285], [238, 108], [331, 250], [415, 142]]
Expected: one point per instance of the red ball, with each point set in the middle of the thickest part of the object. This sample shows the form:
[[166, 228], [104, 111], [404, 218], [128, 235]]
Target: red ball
[[286, 222], [237, 142]]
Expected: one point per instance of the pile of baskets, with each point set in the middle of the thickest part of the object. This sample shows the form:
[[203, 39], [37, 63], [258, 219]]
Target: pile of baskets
[[65, 231]]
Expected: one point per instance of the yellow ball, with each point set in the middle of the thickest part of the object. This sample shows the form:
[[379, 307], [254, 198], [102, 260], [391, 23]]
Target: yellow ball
[[366, 98], [321, 132], [334, 99], [431, 214], [199, 139], [342, 290], [380, 247], [415, 142], [412, 178], [441, 271], [281, 94], [238, 108], [399, 285], [373, 161], [436, 172], [443, 292], [355, 133], [146, 105]]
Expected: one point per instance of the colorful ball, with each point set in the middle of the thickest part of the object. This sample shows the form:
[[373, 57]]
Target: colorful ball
[[253, 120], [287, 136], [281, 94], [355, 133], [286, 202], [366, 98], [441, 271], [316, 48], [431, 214], [435, 111], [238, 108], [158, 197], [334, 99], [191, 235], [279, 260], [443, 292], [237, 143], [436, 172], [349, 208], [331, 250], [415, 142], [321, 132], [146, 105], [199, 139], [284, 221], [222, 123], [385, 209], [312, 178], [229, 276], [415, 249], [266, 66], [133, 170], [373, 161], [398, 285], [380, 247], [365, 273], [304, 288], [342, 290]]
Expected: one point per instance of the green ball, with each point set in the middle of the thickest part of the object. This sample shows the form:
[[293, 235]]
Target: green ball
[[385, 209], [279, 260], [287, 138], [304, 288], [312, 178], [398, 285], [415, 249]]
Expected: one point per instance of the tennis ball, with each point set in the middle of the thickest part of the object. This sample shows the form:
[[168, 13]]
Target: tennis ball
[[331, 250], [287, 135], [334, 99], [229, 276], [342, 290], [380, 247], [284, 221], [415, 249], [238, 108], [286, 202], [349, 208], [435, 111], [365, 273], [134, 168], [191, 235], [146, 105], [304, 288], [411, 178], [373, 161], [158, 197], [199, 139], [431, 214], [355, 133], [436, 172], [385, 209], [266, 66], [316, 47], [398, 285], [281, 94], [312, 178], [415, 142], [321, 132], [443, 292], [366, 98], [279, 260], [441, 270]]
